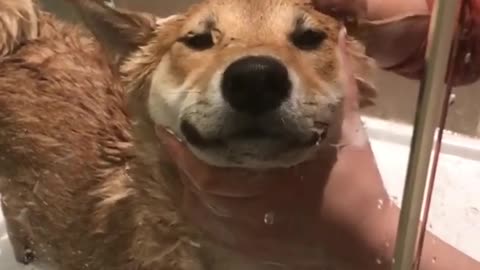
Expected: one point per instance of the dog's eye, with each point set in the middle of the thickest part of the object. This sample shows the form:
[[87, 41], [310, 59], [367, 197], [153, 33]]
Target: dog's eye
[[308, 39], [200, 41]]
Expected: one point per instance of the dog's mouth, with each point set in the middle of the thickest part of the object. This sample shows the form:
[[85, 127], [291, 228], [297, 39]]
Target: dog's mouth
[[255, 135]]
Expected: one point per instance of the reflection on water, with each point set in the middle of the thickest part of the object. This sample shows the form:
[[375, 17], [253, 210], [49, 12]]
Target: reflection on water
[[269, 218]]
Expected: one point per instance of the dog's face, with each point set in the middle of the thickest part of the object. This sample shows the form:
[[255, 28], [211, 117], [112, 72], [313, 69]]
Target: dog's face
[[246, 83], [249, 83]]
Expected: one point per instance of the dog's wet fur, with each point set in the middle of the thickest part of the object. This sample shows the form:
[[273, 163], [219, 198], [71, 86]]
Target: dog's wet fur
[[85, 182]]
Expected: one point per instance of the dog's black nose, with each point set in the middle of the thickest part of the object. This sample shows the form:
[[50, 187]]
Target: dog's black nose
[[256, 84]]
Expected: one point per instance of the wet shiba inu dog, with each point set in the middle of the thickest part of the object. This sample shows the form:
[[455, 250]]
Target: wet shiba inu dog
[[85, 182]]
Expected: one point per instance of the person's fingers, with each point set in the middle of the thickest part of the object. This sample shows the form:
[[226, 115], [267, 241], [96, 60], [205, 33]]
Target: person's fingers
[[173, 145], [384, 27], [347, 78], [352, 132], [182, 155], [220, 181], [385, 42], [342, 8]]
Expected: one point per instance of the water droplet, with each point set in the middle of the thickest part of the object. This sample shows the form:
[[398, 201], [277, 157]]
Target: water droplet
[[393, 260], [434, 259], [468, 58], [452, 99], [349, 19], [28, 256], [378, 261], [195, 244], [269, 218], [380, 204], [387, 244], [275, 265], [110, 3]]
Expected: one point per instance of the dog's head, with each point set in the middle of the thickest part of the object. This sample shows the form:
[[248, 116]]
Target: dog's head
[[246, 83]]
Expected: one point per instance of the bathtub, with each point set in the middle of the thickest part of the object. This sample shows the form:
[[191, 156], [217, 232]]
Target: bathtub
[[455, 211]]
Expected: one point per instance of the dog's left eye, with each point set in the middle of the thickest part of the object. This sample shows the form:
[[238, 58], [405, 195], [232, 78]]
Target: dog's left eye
[[308, 39], [199, 42]]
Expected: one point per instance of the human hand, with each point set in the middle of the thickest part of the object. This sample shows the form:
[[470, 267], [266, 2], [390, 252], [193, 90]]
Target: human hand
[[395, 34], [286, 215]]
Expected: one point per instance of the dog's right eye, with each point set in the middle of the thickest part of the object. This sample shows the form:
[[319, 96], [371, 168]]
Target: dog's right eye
[[202, 41], [308, 39]]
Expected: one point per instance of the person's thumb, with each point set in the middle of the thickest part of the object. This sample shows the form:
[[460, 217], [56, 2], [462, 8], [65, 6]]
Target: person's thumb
[[347, 79], [352, 128]]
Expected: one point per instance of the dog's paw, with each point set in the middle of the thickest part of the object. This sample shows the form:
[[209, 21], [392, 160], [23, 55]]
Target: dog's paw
[[28, 256]]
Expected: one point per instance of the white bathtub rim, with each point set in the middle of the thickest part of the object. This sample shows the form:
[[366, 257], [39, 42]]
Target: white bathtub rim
[[400, 133]]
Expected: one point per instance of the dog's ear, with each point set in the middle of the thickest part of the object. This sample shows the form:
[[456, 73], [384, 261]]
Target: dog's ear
[[120, 32]]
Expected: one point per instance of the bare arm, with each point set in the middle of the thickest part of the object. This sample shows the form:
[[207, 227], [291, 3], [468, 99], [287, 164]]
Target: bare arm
[[373, 238]]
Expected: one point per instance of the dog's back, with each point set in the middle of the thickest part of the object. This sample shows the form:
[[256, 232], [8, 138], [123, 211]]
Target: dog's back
[[61, 123]]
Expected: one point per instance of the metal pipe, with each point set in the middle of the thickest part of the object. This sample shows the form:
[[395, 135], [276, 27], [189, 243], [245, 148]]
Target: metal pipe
[[429, 107], [455, 54]]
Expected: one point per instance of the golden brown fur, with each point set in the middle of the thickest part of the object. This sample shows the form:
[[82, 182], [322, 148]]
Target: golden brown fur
[[18, 24], [65, 159], [84, 181]]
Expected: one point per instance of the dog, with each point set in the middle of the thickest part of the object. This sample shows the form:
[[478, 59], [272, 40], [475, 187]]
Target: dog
[[85, 182], [18, 23]]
